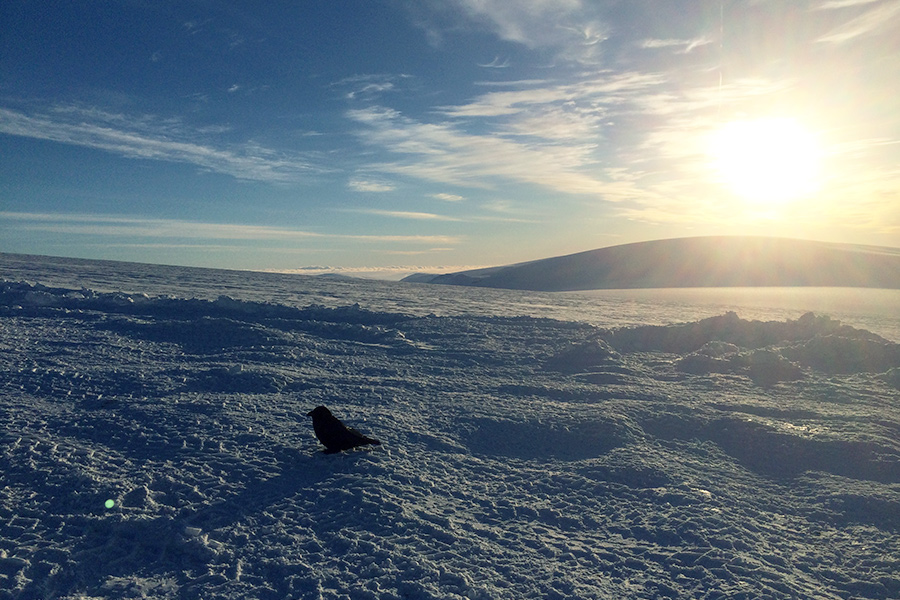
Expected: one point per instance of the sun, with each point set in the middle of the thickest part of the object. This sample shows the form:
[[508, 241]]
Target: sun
[[767, 161]]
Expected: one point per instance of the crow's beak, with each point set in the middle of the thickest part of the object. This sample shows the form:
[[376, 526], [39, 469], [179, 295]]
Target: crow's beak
[[309, 414]]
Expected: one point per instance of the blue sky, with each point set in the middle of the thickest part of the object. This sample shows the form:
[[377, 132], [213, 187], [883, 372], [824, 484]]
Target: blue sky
[[387, 136]]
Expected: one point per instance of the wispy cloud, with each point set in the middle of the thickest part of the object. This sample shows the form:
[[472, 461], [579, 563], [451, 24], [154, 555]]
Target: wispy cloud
[[448, 197], [544, 134], [837, 4], [681, 46], [368, 185], [495, 64], [136, 228], [402, 214], [589, 95], [878, 19], [443, 153], [576, 32], [370, 86], [151, 138], [504, 214]]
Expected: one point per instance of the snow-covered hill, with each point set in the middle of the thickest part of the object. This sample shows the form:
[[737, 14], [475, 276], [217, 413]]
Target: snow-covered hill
[[157, 447], [710, 261]]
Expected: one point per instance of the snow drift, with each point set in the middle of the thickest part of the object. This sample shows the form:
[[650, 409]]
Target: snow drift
[[157, 447]]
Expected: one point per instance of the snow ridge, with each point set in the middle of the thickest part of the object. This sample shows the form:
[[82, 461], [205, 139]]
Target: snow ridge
[[157, 447]]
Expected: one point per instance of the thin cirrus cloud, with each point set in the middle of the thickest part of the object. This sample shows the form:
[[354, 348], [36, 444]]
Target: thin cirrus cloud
[[576, 35], [403, 214], [833, 4], [495, 64], [369, 185], [142, 228], [591, 96], [448, 197], [363, 87], [541, 133], [156, 139], [443, 153], [878, 18], [135, 227], [427, 216], [682, 46]]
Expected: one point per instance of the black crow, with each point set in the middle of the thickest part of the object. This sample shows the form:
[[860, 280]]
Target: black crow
[[335, 435]]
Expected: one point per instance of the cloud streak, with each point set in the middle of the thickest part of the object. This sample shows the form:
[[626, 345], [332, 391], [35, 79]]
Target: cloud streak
[[683, 46], [545, 134], [145, 137], [575, 35], [876, 20], [403, 214], [143, 228], [443, 153], [367, 185], [448, 197]]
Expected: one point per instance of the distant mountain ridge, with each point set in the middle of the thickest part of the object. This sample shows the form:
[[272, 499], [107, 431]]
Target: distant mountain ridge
[[713, 261]]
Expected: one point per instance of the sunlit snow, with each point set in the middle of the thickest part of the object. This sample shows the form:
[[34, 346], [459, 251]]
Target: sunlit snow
[[155, 443]]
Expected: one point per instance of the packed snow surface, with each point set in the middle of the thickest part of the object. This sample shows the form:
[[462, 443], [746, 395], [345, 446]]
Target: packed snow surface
[[156, 445]]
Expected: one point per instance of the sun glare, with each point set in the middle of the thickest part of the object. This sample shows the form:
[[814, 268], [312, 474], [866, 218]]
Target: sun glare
[[766, 161]]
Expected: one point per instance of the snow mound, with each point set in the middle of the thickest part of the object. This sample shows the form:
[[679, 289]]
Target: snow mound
[[845, 354], [536, 440], [775, 450], [766, 352], [892, 377], [731, 329], [763, 366], [588, 355]]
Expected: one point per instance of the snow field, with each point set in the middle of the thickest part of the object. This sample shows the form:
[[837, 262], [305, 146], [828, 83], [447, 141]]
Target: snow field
[[521, 457]]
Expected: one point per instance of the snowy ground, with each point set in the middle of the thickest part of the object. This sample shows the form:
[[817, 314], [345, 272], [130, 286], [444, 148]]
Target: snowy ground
[[520, 458]]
